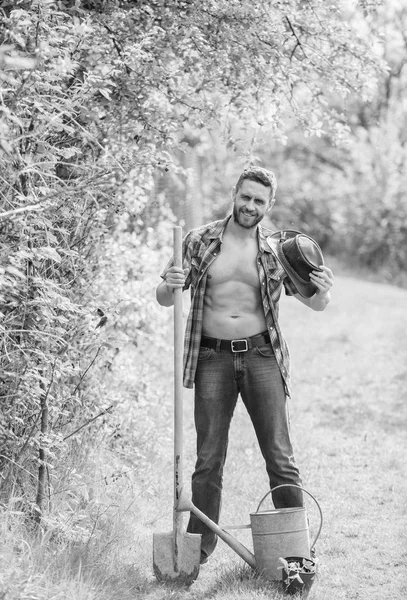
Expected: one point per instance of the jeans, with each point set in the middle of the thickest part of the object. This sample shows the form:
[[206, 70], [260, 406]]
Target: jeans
[[220, 378]]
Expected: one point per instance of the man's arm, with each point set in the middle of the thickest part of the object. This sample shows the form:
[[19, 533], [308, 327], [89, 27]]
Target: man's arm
[[323, 280], [174, 278]]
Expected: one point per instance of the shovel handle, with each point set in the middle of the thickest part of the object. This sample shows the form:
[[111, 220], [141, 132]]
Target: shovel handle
[[178, 369], [309, 494]]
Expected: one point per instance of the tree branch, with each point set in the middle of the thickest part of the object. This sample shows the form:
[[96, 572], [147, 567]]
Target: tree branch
[[296, 37], [22, 209], [89, 421]]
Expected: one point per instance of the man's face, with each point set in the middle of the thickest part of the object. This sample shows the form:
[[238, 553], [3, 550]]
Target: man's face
[[250, 203]]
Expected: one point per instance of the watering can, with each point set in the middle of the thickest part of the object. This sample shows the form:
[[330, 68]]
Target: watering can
[[277, 532]]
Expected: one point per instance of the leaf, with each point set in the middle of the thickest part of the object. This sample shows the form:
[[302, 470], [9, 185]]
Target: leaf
[[69, 152], [17, 62], [48, 252], [17, 272], [284, 563], [105, 93]]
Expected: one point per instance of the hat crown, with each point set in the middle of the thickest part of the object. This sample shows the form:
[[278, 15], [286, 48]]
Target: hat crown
[[299, 255], [302, 252], [303, 255]]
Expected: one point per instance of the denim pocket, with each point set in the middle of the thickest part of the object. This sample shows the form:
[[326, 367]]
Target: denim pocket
[[205, 353], [266, 350]]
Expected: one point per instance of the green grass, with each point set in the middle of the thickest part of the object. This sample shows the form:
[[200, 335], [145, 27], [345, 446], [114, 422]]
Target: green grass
[[348, 418]]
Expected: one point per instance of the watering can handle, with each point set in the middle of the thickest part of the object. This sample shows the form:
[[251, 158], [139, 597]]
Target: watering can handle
[[309, 494]]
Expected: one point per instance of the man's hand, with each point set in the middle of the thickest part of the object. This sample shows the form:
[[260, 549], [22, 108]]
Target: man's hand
[[175, 278], [323, 280]]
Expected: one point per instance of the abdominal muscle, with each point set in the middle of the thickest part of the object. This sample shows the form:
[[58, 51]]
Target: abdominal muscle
[[232, 310]]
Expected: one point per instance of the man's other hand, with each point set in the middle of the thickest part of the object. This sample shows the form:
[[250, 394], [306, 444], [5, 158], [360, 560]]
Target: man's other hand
[[323, 279]]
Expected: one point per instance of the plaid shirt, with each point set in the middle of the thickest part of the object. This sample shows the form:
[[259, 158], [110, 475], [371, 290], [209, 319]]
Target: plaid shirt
[[200, 248]]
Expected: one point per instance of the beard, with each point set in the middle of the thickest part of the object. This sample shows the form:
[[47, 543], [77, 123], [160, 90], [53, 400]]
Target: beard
[[237, 220]]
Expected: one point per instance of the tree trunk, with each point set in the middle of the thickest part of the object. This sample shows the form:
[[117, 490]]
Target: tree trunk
[[42, 470]]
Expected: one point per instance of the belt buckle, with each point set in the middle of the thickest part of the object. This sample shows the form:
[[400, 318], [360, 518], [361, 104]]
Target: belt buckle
[[233, 342]]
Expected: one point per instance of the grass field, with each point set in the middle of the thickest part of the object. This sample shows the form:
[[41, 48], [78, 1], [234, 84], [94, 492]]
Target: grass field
[[348, 418]]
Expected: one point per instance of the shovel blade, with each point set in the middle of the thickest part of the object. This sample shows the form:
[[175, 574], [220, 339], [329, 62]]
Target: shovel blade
[[176, 557]]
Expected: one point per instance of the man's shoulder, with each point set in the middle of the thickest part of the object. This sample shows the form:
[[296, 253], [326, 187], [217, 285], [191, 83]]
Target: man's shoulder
[[208, 231], [265, 231]]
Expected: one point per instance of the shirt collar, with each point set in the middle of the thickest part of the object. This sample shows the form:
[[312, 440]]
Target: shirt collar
[[263, 245], [219, 230]]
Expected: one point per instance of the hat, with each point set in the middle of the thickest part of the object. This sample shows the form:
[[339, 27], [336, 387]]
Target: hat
[[298, 254]]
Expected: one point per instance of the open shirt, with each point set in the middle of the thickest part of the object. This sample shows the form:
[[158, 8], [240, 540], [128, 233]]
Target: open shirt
[[200, 248]]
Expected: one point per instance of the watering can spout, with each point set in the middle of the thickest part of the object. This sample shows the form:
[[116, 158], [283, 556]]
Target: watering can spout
[[185, 504]]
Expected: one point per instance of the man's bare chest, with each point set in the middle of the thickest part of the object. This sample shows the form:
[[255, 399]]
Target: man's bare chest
[[235, 264]]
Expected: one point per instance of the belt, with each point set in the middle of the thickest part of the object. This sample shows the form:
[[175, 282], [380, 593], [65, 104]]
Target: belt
[[240, 345]]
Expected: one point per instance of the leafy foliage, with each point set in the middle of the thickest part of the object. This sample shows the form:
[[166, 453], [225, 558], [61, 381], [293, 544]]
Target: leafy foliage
[[350, 193], [99, 98], [62, 192]]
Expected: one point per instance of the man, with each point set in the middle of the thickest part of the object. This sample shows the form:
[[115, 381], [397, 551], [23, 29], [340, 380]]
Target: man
[[233, 342]]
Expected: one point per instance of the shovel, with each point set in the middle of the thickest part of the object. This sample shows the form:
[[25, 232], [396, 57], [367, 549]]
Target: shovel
[[176, 555]]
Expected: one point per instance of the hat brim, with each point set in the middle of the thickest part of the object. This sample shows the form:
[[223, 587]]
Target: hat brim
[[306, 289]]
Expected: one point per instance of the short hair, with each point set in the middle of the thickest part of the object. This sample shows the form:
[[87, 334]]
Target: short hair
[[261, 175]]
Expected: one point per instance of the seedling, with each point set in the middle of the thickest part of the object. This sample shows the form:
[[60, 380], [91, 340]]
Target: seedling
[[298, 573]]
